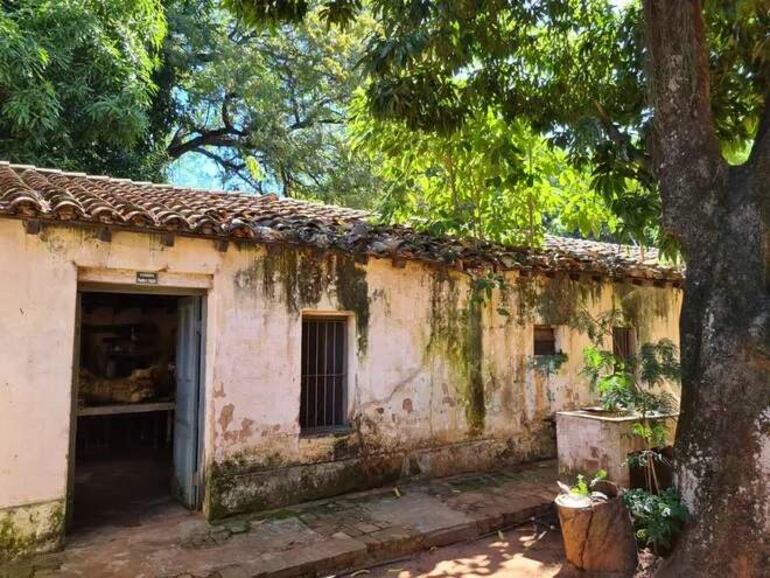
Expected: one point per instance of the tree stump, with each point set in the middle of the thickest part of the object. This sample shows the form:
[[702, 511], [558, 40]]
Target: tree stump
[[598, 535]]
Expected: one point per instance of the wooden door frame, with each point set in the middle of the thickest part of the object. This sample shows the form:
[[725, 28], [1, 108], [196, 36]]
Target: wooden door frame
[[106, 287]]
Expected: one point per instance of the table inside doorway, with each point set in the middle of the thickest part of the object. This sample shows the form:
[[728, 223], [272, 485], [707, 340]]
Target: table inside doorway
[[131, 408]]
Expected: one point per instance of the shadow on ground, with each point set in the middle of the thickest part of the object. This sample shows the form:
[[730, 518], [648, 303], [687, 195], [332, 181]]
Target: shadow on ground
[[524, 552]]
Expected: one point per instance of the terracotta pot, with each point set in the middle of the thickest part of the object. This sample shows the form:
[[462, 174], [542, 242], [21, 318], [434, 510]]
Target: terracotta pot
[[598, 535]]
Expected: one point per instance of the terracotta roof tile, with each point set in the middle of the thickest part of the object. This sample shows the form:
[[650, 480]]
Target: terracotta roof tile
[[50, 195]]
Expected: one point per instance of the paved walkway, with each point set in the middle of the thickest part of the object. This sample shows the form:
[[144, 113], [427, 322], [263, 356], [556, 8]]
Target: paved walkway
[[312, 539]]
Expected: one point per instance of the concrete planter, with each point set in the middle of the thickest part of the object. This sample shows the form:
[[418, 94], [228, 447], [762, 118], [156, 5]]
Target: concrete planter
[[589, 440]]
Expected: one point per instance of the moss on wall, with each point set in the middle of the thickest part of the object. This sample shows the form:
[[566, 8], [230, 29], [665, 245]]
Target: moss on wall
[[352, 291], [475, 409], [226, 494], [300, 277], [642, 306], [232, 488], [554, 300], [303, 275], [236, 490], [28, 529], [456, 335]]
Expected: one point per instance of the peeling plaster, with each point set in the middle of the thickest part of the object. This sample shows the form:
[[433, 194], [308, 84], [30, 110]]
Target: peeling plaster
[[435, 385]]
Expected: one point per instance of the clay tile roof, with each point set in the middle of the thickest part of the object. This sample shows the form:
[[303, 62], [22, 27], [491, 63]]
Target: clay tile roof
[[27, 192]]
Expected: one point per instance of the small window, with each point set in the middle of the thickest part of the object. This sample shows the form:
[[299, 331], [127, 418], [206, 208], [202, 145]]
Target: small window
[[624, 342], [324, 380], [545, 340]]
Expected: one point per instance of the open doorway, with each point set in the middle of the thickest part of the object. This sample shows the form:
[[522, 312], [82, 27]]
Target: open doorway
[[138, 402]]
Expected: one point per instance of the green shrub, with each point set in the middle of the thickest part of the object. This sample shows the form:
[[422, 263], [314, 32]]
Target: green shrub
[[658, 518]]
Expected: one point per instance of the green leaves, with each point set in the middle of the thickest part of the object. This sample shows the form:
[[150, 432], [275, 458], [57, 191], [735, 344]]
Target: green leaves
[[268, 106], [634, 384], [583, 487], [489, 180], [658, 518], [76, 82], [659, 362], [572, 71], [268, 12]]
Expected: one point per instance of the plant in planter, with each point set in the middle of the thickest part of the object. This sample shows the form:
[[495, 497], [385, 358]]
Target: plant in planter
[[633, 386], [589, 512]]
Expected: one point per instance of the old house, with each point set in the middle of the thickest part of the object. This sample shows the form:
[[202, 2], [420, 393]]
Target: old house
[[247, 352]]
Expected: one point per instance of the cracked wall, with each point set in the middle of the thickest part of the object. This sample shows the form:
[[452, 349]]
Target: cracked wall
[[439, 381]]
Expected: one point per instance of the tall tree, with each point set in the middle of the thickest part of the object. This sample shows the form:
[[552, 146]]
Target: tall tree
[[76, 84], [268, 107], [658, 92]]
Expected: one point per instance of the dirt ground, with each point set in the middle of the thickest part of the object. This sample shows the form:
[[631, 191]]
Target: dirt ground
[[524, 552]]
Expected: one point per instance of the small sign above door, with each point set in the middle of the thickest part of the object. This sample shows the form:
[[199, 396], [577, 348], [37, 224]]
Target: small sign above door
[[146, 278]]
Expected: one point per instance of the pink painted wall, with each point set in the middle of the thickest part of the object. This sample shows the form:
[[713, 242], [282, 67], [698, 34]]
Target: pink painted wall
[[404, 394]]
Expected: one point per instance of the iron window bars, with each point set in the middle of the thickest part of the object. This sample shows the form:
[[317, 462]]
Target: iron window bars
[[324, 373]]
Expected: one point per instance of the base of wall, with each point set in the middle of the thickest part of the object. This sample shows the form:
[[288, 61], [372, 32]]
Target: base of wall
[[31, 528], [232, 488]]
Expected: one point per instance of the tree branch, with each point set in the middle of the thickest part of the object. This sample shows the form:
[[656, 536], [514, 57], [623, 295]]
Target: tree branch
[[226, 120], [221, 137], [230, 165], [621, 139], [686, 152], [307, 122]]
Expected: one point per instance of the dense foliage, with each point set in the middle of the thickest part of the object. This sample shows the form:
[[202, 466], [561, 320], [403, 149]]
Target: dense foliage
[[572, 70], [76, 86], [269, 107], [128, 88], [658, 518], [491, 179], [575, 68]]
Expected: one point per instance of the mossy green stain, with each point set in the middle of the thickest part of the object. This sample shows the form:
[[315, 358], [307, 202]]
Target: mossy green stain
[[456, 333], [302, 274], [305, 275], [475, 410], [554, 300], [231, 490], [641, 306], [16, 541], [352, 290], [225, 495]]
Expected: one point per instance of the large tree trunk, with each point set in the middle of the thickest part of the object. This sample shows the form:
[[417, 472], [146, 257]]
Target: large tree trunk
[[722, 448]]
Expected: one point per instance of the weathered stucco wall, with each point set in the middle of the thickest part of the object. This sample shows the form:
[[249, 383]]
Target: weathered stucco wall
[[439, 381]]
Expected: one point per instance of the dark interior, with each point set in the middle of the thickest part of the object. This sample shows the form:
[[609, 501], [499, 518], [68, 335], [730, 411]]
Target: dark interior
[[126, 388]]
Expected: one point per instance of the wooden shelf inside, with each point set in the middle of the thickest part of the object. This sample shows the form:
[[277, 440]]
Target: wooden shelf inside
[[126, 408]]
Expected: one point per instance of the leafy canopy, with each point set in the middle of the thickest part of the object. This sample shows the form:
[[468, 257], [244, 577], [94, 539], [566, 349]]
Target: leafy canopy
[[142, 89], [76, 83], [572, 70], [269, 107], [490, 179]]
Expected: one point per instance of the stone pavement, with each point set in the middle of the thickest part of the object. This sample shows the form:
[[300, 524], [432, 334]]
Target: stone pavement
[[312, 539]]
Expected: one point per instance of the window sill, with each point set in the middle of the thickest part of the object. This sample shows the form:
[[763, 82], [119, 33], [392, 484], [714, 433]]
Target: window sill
[[338, 431]]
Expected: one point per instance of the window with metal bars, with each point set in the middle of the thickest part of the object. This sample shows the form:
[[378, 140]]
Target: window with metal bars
[[324, 378], [624, 342]]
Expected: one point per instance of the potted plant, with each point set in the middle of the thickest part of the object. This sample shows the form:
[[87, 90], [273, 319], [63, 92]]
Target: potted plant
[[589, 513]]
